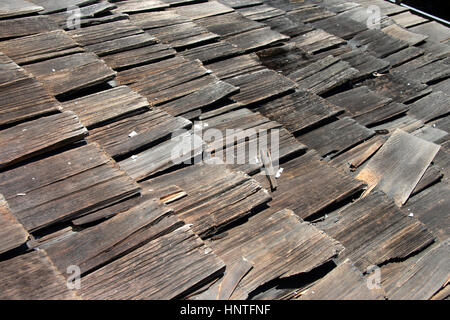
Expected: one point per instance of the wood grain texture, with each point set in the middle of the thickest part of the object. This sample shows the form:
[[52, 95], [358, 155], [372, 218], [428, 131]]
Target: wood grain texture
[[278, 246], [98, 108], [398, 32], [398, 166], [12, 8], [12, 232], [419, 277], [33, 276], [229, 24], [137, 132], [345, 282], [324, 75], [166, 268], [365, 63], [202, 10], [260, 85], [299, 111], [336, 137], [256, 39], [20, 27], [64, 186], [34, 101], [111, 239], [72, 73], [317, 40], [340, 26], [303, 188], [216, 196], [377, 43], [236, 66], [33, 138], [433, 106], [373, 230]]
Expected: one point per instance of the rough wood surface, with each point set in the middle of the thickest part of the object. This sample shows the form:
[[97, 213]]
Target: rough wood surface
[[398, 166], [365, 63], [137, 132], [169, 267], [109, 240], [33, 276], [25, 26], [324, 75], [61, 187], [12, 232], [336, 137], [262, 12], [139, 6], [299, 111], [260, 85], [100, 107], [425, 69], [340, 26], [345, 282], [34, 98], [33, 138], [256, 39], [68, 74], [303, 188], [229, 24], [236, 66], [317, 40], [435, 31], [408, 19], [12, 8], [373, 230], [404, 34], [419, 277], [377, 43], [435, 105], [278, 245], [216, 196], [403, 56], [202, 10]]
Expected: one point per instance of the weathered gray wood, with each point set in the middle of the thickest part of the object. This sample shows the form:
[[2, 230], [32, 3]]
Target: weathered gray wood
[[64, 186], [397, 87], [12, 8], [240, 3], [286, 26], [307, 186], [435, 105], [340, 26], [200, 99], [377, 43], [12, 232], [147, 54], [345, 282], [398, 166], [324, 75], [373, 230], [87, 12], [358, 101], [403, 56], [216, 196], [212, 52], [256, 39], [71, 73], [408, 19], [236, 66], [51, 6], [278, 245], [179, 261], [202, 10], [309, 14], [365, 63], [431, 207], [261, 12], [134, 133], [34, 98], [105, 106], [405, 123], [382, 114], [299, 111], [435, 31], [398, 32], [419, 277], [336, 137], [26, 26], [425, 69], [317, 40], [33, 276], [260, 85], [30, 139], [39, 47], [139, 6], [229, 24], [107, 241]]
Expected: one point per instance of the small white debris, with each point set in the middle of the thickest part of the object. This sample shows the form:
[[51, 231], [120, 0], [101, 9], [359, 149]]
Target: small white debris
[[208, 71], [134, 158], [133, 134], [53, 70], [208, 250], [150, 190], [21, 194], [69, 163], [24, 130], [411, 215], [279, 172]]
